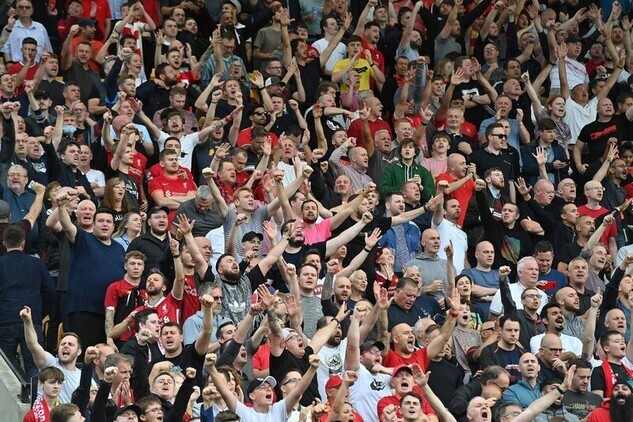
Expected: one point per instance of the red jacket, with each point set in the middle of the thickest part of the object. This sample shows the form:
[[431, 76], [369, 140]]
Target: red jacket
[[601, 414]]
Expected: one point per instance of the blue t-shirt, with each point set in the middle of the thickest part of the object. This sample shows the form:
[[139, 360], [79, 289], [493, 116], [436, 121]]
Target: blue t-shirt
[[94, 267]]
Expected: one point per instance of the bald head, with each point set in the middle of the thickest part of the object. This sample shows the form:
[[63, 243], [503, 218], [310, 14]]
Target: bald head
[[551, 341], [430, 242]]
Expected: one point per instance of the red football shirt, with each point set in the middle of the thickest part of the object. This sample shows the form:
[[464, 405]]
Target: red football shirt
[[172, 187]]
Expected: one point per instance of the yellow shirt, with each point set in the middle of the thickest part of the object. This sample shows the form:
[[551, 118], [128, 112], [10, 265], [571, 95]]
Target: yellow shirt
[[365, 73]]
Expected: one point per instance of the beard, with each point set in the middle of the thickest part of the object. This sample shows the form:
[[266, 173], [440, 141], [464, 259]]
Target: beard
[[621, 412], [296, 243], [232, 276]]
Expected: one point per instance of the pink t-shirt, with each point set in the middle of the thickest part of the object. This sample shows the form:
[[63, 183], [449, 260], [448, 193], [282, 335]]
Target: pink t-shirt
[[319, 232]]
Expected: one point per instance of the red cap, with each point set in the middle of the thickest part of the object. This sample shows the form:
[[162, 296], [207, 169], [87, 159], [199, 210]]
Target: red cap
[[399, 367], [333, 382]]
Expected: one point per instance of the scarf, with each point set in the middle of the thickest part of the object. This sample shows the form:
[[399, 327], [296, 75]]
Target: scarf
[[41, 413], [609, 377]]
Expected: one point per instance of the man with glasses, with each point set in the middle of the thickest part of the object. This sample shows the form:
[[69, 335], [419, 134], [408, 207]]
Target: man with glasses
[[494, 155], [225, 55], [26, 27], [531, 300]]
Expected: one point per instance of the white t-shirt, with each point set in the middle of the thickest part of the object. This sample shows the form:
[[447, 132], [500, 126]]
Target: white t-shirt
[[187, 144], [289, 172], [451, 232], [577, 116], [576, 74], [515, 289], [365, 393], [276, 413], [570, 344], [332, 359], [97, 177], [339, 53]]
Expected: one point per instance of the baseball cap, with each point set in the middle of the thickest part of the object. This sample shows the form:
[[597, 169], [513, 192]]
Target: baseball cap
[[572, 38], [252, 235], [121, 410], [156, 209], [40, 95], [258, 382], [400, 367], [369, 344], [273, 80], [333, 382], [86, 22], [5, 209]]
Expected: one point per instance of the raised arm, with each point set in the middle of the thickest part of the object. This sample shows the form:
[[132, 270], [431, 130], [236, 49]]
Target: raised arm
[[538, 406], [64, 219], [295, 394], [40, 356], [348, 235], [220, 382], [209, 176], [204, 337], [323, 334], [422, 379], [450, 22]]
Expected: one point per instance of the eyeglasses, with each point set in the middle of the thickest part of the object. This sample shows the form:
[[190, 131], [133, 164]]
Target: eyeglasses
[[532, 296], [499, 135], [259, 113], [291, 380], [503, 389], [488, 329], [375, 352], [25, 7], [155, 410], [489, 49], [217, 297], [228, 47], [598, 188], [553, 349]]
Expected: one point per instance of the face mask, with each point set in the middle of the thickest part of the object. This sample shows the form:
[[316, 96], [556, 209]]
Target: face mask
[[69, 130]]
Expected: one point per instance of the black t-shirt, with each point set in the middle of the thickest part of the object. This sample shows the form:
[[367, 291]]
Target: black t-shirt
[[595, 135], [281, 365], [477, 114], [598, 377], [568, 253], [310, 77], [505, 160], [444, 380], [189, 358]]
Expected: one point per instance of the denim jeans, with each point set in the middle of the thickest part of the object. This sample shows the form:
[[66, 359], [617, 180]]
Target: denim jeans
[[12, 335]]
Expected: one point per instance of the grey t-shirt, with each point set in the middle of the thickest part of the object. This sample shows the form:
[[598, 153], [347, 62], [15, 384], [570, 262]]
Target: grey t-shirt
[[312, 312], [254, 224], [443, 47]]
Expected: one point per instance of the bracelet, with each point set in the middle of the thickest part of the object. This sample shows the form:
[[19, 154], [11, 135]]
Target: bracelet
[[423, 124], [560, 390], [366, 250], [214, 102], [8, 30], [371, 64], [553, 64], [336, 319], [620, 67], [176, 256]]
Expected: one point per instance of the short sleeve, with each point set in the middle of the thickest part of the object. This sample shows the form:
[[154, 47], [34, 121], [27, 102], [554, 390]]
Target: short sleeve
[[496, 307], [111, 298], [154, 185]]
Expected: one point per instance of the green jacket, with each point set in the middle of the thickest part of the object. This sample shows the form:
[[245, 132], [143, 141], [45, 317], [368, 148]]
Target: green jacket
[[397, 174]]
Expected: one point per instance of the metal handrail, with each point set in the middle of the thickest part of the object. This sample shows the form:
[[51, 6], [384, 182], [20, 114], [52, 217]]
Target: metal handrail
[[26, 395]]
